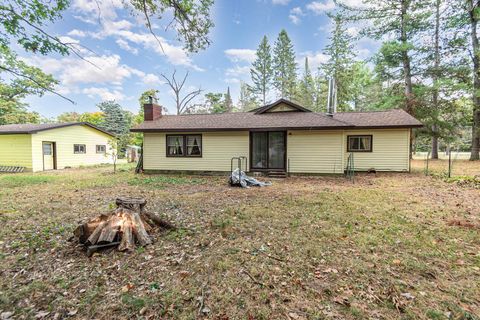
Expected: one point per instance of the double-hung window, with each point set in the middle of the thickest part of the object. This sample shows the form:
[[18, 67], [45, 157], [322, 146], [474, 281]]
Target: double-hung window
[[186, 145], [101, 148], [359, 143], [79, 148]]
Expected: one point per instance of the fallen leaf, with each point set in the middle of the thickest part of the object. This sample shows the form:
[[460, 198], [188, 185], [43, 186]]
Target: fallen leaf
[[6, 315], [41, 314], [408, 296], [343, 300]]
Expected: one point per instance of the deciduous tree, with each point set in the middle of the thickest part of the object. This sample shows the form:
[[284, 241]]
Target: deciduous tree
[[183, 101]]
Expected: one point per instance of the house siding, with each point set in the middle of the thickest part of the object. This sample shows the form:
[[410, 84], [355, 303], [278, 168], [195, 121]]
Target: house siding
[[308, 151], [217, 150], [16, 150], [65, 138], [390, 150], [314, 151]]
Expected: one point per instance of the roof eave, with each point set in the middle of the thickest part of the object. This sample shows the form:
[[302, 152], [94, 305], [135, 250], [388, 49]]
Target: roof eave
[[273, 128]]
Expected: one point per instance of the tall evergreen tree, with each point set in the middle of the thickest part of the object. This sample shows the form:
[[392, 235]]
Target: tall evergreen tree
[[361, 86], [284, 66], [458, 48], [340, 63], [116, 119], [401, 21], [305, 94], [261, 71], [247, 100], [228, 101], [465, 16]]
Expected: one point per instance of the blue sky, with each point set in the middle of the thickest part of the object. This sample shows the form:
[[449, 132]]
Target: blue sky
[[127, 60]]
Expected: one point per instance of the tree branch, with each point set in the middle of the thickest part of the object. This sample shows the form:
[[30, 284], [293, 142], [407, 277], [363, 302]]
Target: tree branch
[[149, 24], [36, 82]]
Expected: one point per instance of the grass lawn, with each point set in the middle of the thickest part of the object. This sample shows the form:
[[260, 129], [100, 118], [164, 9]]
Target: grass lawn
[[389, 246]]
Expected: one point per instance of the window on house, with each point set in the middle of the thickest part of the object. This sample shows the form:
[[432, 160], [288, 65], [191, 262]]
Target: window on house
[[194, 145], [47, 149], [79, 148], [189, 145], [359, 144], [101, 148]]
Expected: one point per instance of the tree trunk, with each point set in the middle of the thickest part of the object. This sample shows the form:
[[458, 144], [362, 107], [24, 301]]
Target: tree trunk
[[475, 154], [434, 146], [435, 76], [407, 70]]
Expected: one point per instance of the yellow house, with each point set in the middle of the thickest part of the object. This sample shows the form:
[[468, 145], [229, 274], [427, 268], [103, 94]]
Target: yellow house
[[278, 138], [38, 147]]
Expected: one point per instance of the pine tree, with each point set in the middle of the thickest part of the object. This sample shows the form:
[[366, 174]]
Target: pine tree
[[399, 21], [116, 120], [284, 65], [446, 68], [228, 101], [247, 100], [465, 16], [340, 63], [305, 94], [261, 71]]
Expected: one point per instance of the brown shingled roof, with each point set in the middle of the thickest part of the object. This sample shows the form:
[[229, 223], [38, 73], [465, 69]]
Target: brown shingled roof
[[240, 121], [29, 128], [388, 118], [278, 121]]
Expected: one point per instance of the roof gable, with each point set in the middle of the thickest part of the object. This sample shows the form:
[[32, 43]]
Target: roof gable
[[281, 105]]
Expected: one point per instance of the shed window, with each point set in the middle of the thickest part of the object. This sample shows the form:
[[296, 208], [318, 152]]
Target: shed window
[[79, 148], [189, 145], [359, 143], [47, 149], [101, 148]]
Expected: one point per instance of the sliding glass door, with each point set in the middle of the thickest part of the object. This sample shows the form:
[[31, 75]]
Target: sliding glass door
[[268, 150]]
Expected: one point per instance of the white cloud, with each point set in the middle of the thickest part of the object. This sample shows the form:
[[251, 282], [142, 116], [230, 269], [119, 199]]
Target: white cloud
[[297, 11], [151, 79], [174, 54], [295, 15], [92, 10], [318, 7], [125, 46], [77, 33], [237, 71], [295, 19], [315, 59], [280, 2], [237, 55], [354, 3], [104, 13], [104, 94], [98, 69]]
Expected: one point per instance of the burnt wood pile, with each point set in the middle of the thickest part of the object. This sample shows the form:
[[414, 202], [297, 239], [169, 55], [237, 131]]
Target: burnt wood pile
[[125, 228]]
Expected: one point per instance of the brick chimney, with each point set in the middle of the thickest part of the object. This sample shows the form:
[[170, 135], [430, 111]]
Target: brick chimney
[[151, 110]]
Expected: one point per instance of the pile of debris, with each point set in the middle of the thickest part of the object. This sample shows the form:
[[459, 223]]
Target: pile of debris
[[239, 178], [124, 228]]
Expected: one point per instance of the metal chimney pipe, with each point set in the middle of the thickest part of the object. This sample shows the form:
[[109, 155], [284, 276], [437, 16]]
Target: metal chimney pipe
[[331, 97]]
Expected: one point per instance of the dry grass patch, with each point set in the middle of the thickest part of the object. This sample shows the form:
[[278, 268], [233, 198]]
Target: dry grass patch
[[304, 248]]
